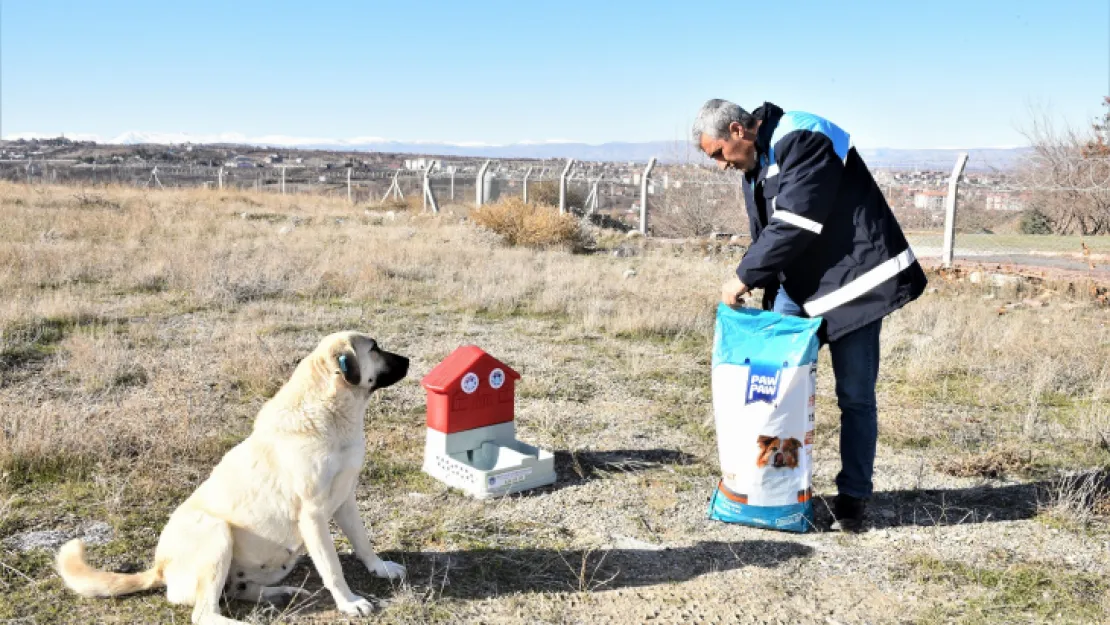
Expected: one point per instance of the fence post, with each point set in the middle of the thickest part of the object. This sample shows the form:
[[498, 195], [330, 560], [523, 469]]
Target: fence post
[[480, 192], [220, 175], [394, 188], [428, 197], [563, 186], [643, 197], [591, 199], [349, 185], [950, 210], [451, 170], [526, 174], [283, 179]]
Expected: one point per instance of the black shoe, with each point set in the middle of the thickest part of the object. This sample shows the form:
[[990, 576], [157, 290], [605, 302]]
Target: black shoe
[[848, 514]]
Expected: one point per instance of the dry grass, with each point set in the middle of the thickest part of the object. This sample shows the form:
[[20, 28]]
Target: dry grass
[[1078, 499], [141, 331], [139, 314], [1016, 592], [529, 225], [1036, 377], [93, 278]]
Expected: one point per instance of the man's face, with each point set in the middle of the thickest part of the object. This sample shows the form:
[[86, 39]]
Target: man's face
[[737, 151]]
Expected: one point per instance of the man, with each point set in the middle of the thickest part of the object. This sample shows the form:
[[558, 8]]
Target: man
[[824, 244]]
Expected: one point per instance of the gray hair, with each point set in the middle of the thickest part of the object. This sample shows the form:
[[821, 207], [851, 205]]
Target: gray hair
[[715, 117]]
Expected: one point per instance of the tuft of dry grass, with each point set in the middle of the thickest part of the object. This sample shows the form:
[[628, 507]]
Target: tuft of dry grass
[[1079, 499], [992, 464], [529, 225], [101, 360]]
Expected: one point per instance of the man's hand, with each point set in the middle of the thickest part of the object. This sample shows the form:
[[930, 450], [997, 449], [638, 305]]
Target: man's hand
[[732, 290]]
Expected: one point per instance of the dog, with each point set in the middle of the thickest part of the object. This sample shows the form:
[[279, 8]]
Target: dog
[[271, 497], [778, 453]]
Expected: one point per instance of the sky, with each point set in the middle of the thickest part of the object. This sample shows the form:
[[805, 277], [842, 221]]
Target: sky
[[924, 74]]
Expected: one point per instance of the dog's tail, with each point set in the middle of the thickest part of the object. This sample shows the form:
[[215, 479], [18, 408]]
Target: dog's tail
[[89, 582]]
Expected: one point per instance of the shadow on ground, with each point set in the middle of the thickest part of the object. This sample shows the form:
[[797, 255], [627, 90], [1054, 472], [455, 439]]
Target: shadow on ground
[[576, 467], [493, 572], [484, 573], [944, 507]]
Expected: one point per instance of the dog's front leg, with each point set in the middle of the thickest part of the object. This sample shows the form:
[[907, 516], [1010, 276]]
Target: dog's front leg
[[349, 520], [313, 526]]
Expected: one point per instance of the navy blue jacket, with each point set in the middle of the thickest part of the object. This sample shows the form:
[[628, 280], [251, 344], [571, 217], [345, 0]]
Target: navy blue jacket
[[821, 227]]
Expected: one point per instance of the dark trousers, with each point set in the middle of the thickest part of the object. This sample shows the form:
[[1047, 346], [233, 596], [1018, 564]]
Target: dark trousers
[[855, 359]]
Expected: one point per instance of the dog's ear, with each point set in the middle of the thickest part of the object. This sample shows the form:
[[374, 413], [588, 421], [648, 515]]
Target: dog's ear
[[764, 441], [792, 444], [347, 363]]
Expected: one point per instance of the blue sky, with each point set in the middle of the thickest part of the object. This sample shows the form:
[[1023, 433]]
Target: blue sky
[[924, 74]]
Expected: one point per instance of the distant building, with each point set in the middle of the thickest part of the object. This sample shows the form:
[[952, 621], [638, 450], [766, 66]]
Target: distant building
[[274, 158], [929, 200], [240, 161], [420, 164], [1004, 202]]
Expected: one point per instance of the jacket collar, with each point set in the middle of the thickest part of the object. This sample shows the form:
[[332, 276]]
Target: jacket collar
[[769, 115]]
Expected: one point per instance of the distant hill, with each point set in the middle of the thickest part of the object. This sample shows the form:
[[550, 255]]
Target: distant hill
[[979, 159], [666, 151]]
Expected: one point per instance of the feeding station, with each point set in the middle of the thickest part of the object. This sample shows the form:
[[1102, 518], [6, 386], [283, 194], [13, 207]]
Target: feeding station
[[472, 442]]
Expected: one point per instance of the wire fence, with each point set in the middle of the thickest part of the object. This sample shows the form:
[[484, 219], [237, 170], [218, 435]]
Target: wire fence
[[682, 200]]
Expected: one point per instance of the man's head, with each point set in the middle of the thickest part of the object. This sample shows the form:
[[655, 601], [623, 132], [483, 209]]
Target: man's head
[[726, 133]]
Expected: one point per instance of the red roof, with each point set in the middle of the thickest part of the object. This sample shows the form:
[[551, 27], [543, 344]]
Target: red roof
[[447, 375]]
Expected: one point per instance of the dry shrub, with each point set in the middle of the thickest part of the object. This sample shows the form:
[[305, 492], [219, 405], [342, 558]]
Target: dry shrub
[[529, 225], [993, 464], [411, 202]]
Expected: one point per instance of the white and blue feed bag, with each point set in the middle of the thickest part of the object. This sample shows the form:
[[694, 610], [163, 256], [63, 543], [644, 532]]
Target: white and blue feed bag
[[764, 380]]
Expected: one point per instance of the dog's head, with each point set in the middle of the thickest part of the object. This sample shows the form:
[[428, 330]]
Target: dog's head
[[356, 360], [777, 452]]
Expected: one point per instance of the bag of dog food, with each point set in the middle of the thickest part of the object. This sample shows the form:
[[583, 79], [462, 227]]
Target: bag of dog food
[[764, 378]]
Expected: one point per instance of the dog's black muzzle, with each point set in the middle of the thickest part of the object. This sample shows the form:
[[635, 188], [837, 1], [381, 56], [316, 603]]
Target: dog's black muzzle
[[388, 368]]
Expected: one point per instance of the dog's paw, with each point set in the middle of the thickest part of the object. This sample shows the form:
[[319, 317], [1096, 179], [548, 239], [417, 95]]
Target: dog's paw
[[389, 570], [358, 607]]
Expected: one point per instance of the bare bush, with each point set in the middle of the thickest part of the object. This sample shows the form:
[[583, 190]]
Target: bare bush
[[1070, 171], [697, 209], [546, 193]]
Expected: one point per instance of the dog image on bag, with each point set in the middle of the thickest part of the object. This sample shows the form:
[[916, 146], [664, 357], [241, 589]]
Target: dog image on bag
[[778, 453], [272, 497]]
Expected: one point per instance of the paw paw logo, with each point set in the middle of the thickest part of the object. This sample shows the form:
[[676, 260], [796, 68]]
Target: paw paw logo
[[763, 382]]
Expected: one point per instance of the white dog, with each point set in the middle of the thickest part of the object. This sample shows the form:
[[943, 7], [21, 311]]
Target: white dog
[[271, 497]]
